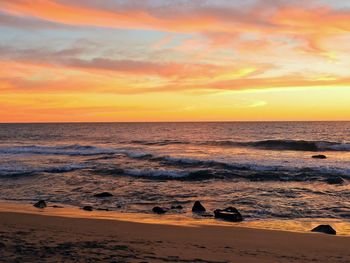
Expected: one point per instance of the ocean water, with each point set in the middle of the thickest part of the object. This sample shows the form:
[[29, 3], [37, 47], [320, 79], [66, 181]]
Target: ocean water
[[264, 169]]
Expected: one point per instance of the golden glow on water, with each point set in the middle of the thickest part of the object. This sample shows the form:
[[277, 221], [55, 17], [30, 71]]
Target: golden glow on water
[[303, 226]]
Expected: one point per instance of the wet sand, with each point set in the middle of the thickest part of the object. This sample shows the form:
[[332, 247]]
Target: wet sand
[[41, 237]]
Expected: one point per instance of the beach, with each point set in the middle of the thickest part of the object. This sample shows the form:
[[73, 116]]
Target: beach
[[33, 235]]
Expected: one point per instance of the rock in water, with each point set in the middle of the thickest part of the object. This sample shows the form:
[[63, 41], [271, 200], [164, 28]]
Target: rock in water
[[198, 207], [158, 210], [327, 229], [87, 208], [104, 194], [229, 214], [319, 156], [335, 180], [41, 204]]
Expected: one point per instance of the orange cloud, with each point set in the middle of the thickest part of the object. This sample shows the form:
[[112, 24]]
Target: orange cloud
[[255, 84], [198, 18], [222, 25], [39, 60], [26, 78]]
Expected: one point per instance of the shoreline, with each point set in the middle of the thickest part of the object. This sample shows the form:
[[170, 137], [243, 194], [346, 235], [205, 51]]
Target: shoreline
[[29, 236], [286, 225]]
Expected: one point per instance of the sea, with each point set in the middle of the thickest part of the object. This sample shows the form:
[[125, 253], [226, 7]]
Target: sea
[[264, 169]]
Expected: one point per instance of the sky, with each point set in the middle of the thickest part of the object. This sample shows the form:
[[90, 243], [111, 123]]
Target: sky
[[174, 60]]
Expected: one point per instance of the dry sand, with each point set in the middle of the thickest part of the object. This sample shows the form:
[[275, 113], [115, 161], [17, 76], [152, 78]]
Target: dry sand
[[33, 237]]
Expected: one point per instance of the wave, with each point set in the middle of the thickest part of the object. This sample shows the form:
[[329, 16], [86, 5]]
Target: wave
[[195, 175], [73, 150], [293, 145], [159, 173], [86, 150], [159, 143], [164, 166], [27, 171], [173, 168], [254, 174], [70, 150]]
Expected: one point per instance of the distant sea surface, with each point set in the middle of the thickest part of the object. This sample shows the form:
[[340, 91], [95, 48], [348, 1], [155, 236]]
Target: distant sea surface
[[265, 169]]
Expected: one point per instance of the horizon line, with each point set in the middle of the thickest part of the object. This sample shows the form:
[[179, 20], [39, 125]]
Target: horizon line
[[243, 121]]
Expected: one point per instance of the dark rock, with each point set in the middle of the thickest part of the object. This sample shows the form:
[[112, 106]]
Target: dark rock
[[198, 207], [176, 207], [104, 194], [41, 204], [319, 156], [158, 210], [87, 208], [229, 214], [327, 229], [335, 180]]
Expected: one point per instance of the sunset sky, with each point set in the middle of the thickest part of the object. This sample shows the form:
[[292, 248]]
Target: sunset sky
[[162, 60]]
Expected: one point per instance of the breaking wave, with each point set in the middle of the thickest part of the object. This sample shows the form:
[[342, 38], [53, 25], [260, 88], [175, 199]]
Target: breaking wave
[[182, 168], [253, 174], [173, 168], [27, 171], [292, 145], [71, 150]]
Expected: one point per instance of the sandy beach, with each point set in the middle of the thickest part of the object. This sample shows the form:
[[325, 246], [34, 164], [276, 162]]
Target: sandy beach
[[31, 236]]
